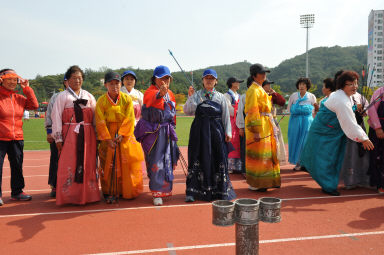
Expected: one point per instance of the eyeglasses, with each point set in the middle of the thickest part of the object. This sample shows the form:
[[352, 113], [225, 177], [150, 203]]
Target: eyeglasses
[[352, 84]]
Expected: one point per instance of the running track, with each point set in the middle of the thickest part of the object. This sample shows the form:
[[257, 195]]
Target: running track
[[312, 223]]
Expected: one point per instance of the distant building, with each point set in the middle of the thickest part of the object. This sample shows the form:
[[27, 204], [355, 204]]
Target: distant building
[[376, 47]]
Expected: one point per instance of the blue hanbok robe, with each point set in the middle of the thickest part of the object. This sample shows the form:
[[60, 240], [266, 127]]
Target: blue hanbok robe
[[323, 151], [299, 123]]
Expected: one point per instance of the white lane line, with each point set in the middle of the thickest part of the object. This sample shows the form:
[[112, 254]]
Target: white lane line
[[169, 206], [101, 210], [233, 244], [27, 166], [35, 159], [145, 185], [30, 176]]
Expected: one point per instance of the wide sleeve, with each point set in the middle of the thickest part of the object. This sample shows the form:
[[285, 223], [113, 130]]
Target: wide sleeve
[[31, 102], [225, 117], [141, 97], [190, 105], [313, 99], [101, 119], [278, 99], [347, 120], [56, 116], [374, 121], [290, 101], [230, 107], [151, 98], [240, 114], [48, 119], [253, 119], [128, 125]]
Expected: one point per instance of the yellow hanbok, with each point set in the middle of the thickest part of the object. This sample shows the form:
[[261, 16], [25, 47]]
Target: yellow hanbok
[[118, 118], [261, 163]]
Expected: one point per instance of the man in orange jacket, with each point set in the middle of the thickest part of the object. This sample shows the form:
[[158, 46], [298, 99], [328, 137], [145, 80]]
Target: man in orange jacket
[[12, 106]]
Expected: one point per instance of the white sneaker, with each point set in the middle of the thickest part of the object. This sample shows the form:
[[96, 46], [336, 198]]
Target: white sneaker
[[252, 188], [157, 201]]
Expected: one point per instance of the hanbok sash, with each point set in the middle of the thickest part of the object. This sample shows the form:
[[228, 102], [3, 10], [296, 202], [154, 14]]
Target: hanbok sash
[[297, 109], [80, 139]]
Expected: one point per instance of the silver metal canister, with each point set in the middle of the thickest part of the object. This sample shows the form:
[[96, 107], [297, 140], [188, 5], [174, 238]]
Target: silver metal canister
[[222, 213], [246, 211], [270, 209]]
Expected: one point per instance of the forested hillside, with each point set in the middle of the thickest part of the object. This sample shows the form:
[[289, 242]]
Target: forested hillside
[[324, 62]]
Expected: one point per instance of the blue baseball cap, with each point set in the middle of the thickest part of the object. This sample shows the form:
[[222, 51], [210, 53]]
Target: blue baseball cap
[[161, 71], [210, 72], [128, 72]]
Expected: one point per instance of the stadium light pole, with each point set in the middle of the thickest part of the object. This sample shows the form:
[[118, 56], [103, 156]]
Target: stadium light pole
[[307, 21]]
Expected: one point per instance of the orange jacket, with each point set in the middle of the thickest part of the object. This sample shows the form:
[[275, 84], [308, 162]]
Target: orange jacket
[[12, 107]]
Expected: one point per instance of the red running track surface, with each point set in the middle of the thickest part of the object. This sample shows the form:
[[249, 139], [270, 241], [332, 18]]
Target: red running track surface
[[312, 222]]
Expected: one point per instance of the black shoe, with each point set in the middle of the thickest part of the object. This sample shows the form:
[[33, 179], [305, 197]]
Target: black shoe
[[331, 193], [21, 197], [276, 187], [262, 190], [303, 169], [53, 193]]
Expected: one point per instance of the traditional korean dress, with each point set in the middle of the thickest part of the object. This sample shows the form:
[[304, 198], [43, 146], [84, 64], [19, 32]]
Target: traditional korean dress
[[156, 133], [356, 160], [301, 109], [73, 124], [234, 157], [208, 177], [240, 124], [117, 118], [376, 120], [323, 151], [137, 101], [278, 100], [262, 165]]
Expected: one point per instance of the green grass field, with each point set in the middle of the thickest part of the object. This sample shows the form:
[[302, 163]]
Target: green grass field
[[35, 135]]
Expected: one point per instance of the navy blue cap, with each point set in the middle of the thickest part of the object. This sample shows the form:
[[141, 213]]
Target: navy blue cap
[[110, 76], [266, 82], [210, 72], [161, 71], [128, 72]]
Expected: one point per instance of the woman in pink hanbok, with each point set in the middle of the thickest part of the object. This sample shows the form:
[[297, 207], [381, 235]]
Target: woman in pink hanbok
[[74, 133]]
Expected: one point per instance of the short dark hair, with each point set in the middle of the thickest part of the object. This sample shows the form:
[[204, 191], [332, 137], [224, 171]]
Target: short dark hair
[[306, 81], [4, 70], [71, 70], [329, 84], [249, 81], [344, 77]]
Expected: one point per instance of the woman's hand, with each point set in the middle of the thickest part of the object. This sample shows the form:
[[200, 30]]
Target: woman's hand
[[316, 107], [379, 133], [163, 90], [256, 137], [368, 145], [59, 146], [191, 91], [50, 138], [241, 132], [24, 83], [111, 143], [118, 139], [227, 138]]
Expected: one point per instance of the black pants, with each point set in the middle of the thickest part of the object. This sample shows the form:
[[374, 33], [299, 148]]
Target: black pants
[[14, 149], [53, 164]]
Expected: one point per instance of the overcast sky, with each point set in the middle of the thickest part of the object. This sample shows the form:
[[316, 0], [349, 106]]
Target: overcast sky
[[46, 37]]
